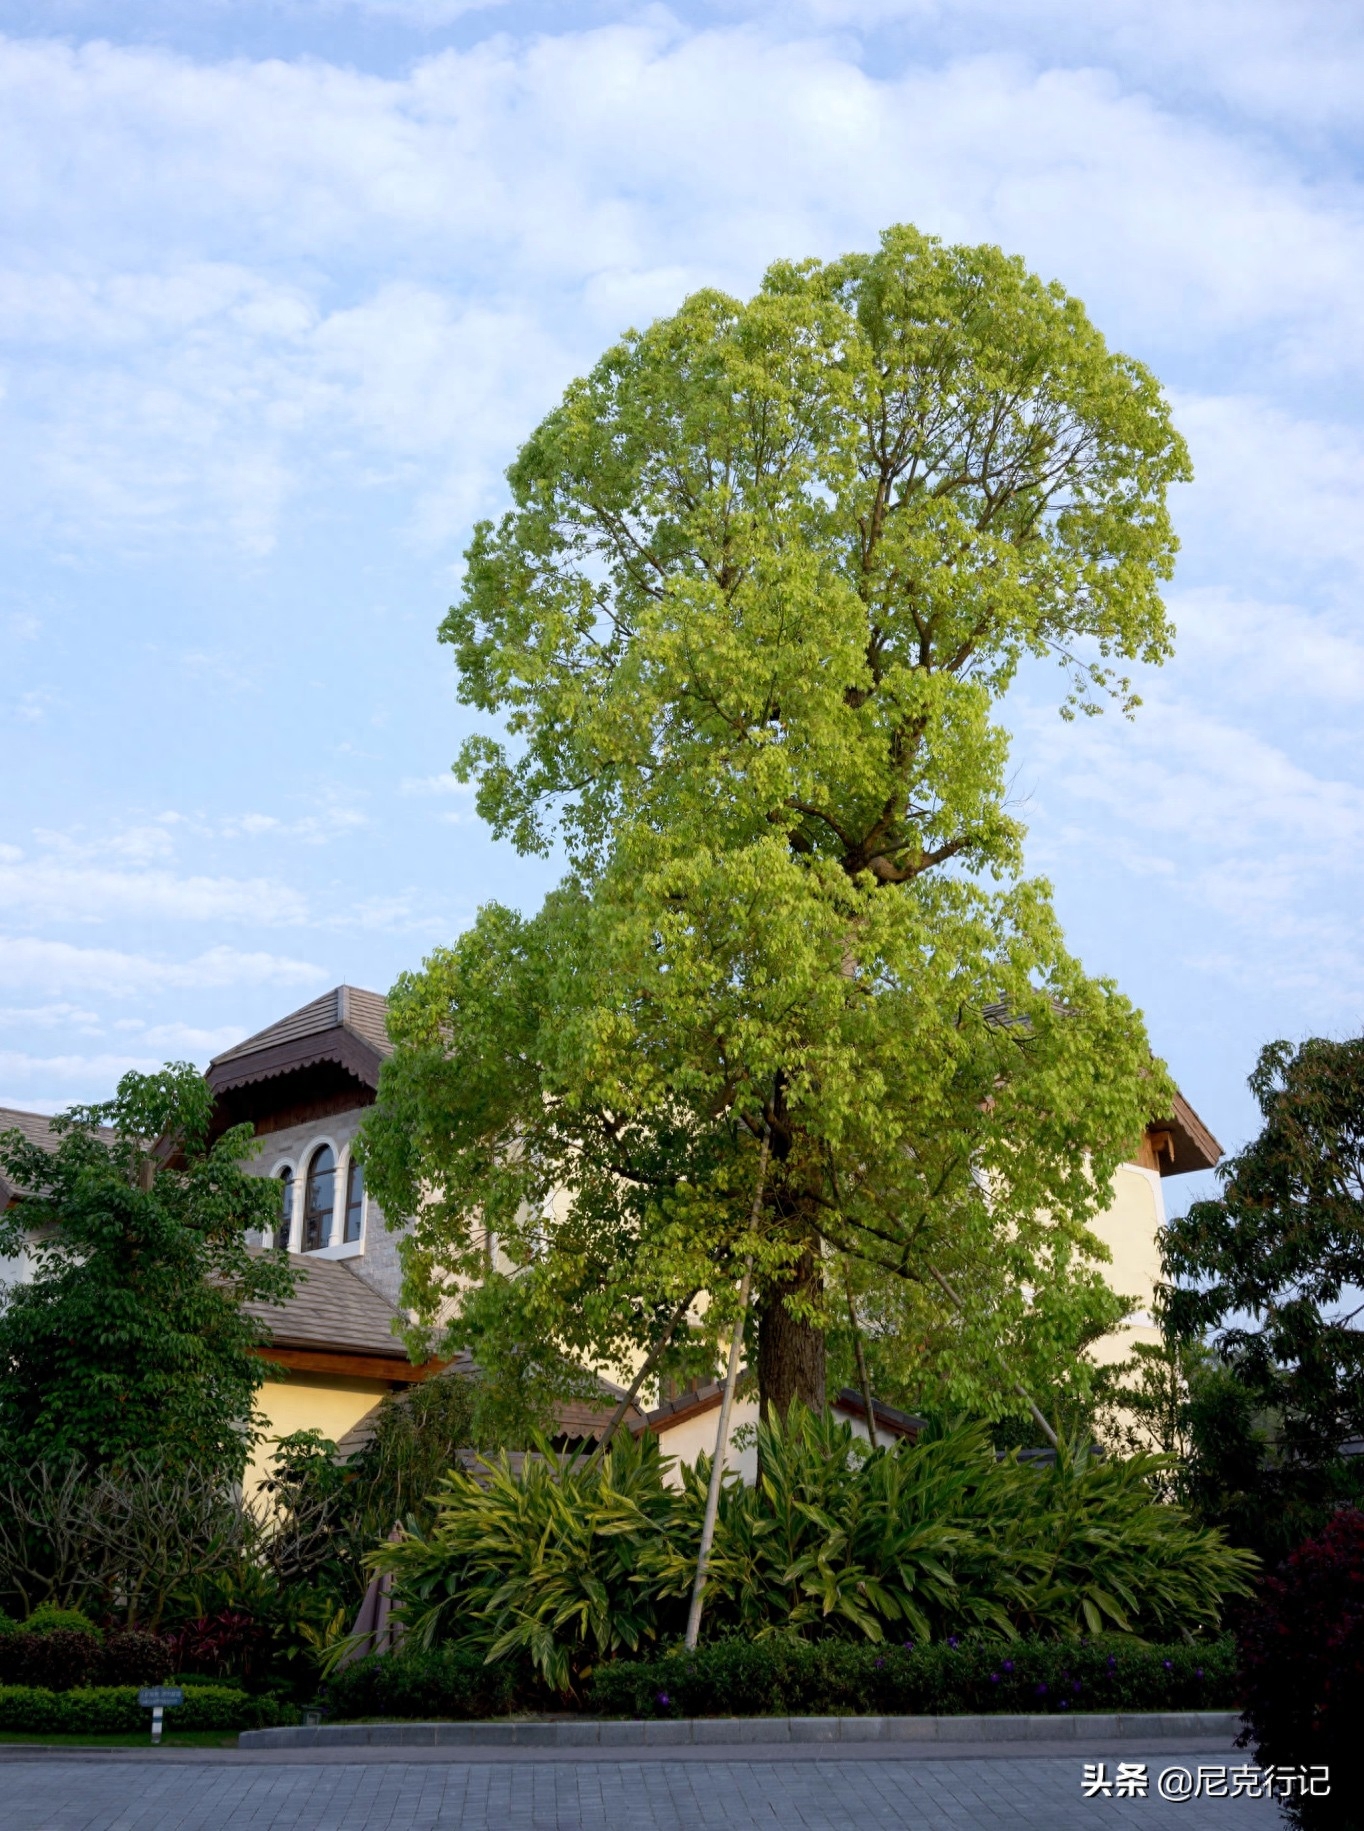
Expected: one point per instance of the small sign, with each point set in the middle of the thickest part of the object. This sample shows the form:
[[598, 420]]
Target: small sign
[[160, 1697]]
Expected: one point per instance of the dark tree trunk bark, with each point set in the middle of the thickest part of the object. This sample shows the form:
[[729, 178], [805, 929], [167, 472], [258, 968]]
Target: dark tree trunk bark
[[790, 1350]]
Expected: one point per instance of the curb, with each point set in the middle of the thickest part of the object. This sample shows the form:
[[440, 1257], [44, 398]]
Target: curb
[[1145, 1726]]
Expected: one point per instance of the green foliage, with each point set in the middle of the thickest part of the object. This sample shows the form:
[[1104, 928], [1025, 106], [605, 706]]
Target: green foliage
[[49, 1618], [783, 1676], [1270, 1272], [130, 1341], [566, 1567], [436, 1682], [114, 1709], [768, 571], [542, 1564]]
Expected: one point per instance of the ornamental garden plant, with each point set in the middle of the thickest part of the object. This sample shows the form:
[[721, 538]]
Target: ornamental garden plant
[[557, 1570]]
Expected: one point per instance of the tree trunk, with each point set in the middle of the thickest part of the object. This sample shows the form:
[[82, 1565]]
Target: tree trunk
[[790, 1350]]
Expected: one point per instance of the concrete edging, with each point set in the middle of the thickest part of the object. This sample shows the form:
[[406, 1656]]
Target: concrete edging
[[1142, 1726]]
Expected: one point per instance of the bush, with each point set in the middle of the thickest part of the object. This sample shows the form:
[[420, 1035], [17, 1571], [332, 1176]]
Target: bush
[[443, 1683], [114, 1710], [784, 1676], [570, 1567], [132, 1656], [53, 1658], [1302, 1667], [48, 1618]]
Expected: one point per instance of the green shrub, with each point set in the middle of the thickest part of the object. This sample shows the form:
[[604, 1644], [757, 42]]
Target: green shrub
[[114, 1710], [786, 1676], [48, 1618], [570, 1567], [445, 1682]]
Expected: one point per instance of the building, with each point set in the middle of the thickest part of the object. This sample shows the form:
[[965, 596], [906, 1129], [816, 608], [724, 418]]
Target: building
[[303, 1085]]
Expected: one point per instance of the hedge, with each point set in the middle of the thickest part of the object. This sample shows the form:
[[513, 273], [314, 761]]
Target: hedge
[[788, 1677], [114, 1710], [443, 1683], [63, 1658]]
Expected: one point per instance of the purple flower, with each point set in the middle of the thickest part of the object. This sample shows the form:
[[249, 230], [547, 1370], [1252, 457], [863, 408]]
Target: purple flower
[[952, 1641], [1168, 1664], [1041, 1691], [1199, 1673], [1065, 1703], [880, 1662], [1008, 1665], [994, 1678], [664, 1701], [1076, 1685], [909, 1646], [1111, 1662]]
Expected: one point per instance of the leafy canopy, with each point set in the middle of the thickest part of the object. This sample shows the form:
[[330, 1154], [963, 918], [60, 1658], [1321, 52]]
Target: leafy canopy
[[1271, 1272], [131, 1341], [768, 571]]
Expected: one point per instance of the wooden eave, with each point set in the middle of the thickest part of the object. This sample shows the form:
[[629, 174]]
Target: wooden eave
[[1179, 1144], [395, 1370], [338, 1045]]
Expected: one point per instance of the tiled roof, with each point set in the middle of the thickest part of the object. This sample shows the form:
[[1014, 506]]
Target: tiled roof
[[331, 1309], [345, 1007], [574, 1419], [848, 1401], [37, 1128]]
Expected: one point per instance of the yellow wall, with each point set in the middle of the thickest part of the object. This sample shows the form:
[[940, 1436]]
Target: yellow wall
[[1131, 1230], [309, 1401]]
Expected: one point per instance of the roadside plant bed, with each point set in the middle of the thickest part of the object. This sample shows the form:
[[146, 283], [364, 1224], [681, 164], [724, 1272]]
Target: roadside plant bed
[[446, 1682], [788, 1677], [114, 1710]]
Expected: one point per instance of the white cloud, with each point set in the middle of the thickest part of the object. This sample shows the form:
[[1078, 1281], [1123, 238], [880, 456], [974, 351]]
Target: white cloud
[[1269, 652], [51, 1014], [49, 890], [526, 199], [1275, 486], [94, 1075], [334, 822], [446, 783], [31, 965]]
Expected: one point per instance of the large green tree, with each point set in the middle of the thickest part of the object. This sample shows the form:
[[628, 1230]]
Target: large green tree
[[1270, 1274], [769, 571], [130, 1340]]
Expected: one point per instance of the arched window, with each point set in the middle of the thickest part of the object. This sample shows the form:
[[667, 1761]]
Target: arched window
[[355, 1199], [319, 1199], [286, 1208]]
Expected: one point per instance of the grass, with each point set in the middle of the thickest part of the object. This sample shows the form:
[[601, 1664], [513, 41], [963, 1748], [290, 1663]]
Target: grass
[[187, 1738]]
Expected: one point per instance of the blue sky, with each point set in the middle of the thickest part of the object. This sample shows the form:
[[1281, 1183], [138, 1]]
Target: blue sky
[[283, 286]]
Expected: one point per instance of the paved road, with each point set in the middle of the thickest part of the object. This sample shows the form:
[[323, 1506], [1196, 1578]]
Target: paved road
[[167, 1793]]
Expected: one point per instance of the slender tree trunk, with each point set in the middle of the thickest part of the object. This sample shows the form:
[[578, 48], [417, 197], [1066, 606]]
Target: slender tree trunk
[[791, 1350], [862, 1373], [717, 1467]]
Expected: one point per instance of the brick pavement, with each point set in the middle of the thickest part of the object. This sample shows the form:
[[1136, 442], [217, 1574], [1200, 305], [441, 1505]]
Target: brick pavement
[[1016, 1794]]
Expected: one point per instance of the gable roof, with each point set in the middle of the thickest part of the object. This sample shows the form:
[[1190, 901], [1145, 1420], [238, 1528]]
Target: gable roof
[[347, 1025]]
